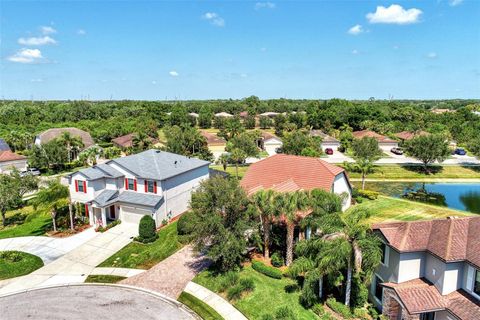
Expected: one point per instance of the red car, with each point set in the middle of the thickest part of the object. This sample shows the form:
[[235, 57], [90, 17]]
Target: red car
[[329, 151]]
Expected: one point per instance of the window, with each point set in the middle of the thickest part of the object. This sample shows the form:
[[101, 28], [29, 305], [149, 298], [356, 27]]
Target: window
[[130, 184], [427, 316], [150, 186], [385, 253], [476, 284], [378, 289], [81, 186]]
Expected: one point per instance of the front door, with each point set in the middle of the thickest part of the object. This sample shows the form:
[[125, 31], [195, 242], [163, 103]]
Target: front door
[[112, 212]]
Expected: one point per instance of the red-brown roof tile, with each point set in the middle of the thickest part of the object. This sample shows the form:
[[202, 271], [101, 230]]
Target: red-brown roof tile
[[126, 141], [409, 135], [368, 133], [54, 133], [10, 156], [213, 139]]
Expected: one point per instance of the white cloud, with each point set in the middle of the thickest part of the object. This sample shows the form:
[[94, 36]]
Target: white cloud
[[395, 14], [81, 32], [173, 73], [214, 19], [432, 55], [267, 5], [243, 75], [47, 30], [454, 3], [26, 56], [36, 41], [355, 51], [36, 80], [154, 82], [356, 29]]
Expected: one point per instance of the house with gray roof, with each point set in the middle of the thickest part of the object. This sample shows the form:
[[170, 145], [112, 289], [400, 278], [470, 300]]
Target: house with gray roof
[[3, 145], [153, 182]]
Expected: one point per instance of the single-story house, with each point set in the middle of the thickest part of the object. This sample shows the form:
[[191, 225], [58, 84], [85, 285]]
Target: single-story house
[[10, 160], [441, 111], [429, 269], [384, 143], [215, 143], [270, 143], [269, 114], [288, 173], [153, 182], [327, 141], [55, 133], [126, 141], [243, 114], [409, 135], [193, 114], [4, 146], [223, 115]]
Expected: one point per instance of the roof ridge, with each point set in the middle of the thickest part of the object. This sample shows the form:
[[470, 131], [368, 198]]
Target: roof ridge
[[449, 238], [404, 239]]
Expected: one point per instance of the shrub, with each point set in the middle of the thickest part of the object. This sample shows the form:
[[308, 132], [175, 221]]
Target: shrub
[[361, 313], [339, 308], [292, 288], [247, 284], [146, 230], [284, 313], [277, 260], [186, 224], [266, 270], [268, 317], [368, 194], [244, 285], [12, 256], [228, 280], [108, 226], [234, 292]]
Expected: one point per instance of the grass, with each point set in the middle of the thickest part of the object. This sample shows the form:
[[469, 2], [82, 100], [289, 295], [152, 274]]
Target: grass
[[16, 263], [144, 256], [231, 170], [25, 222], [104, 279], [391, 209], [201, 308], [394, 172], [269, 294]]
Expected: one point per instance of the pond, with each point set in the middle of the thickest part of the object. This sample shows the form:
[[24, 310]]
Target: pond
[[461, 196]]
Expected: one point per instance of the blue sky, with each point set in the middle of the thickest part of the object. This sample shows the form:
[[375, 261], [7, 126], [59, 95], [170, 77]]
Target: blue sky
[[232, 49]]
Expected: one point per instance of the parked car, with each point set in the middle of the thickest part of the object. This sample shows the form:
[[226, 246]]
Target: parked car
[[397, 151], [460, 152], [329, 151], [279, 150], [30, 171]]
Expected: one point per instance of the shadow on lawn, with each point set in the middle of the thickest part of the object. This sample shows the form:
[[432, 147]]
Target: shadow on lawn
[[475, 168], [432, 170]]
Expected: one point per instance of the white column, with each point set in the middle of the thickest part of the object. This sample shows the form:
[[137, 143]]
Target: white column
[[104, 217], [90, 214]]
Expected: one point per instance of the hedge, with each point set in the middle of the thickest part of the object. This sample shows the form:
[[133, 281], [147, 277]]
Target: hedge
[[266, 270]]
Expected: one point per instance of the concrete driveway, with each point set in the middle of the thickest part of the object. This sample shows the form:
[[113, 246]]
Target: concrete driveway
[[91, 302]]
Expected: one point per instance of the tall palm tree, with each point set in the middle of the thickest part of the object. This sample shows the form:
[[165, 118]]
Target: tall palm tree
[[288, 204], [223, 160], [72, 143], [237, 156], [264, 201], [51, 198]]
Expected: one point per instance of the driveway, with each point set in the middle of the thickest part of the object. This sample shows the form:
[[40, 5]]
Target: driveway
[[77, 264], [47, 248], [91, 302]]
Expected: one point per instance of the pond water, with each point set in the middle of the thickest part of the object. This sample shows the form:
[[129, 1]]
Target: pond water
[[461, 196]]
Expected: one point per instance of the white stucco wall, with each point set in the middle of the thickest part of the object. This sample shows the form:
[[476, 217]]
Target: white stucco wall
[[467, 280], [333, 145], [447, 277], [387, 146], [7, 166], [411, 266], [271, 145], [341, 185]]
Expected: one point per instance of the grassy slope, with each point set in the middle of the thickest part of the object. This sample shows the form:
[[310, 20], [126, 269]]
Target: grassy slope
[[391, 209], [145, 256], [103, 279], [268, 296], [201, 308], [231, 170], [27, 263], [36, 223]]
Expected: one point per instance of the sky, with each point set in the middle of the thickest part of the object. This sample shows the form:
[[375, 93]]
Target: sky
[[166, 50]]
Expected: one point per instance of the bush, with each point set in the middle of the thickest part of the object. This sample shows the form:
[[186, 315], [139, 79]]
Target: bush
[[284, 313], [244, 285], [186, 224], [277, 260], [146, 230], [361, 313], [266, 270], [108, 226], [234, 293], [339, 308], [368, 194], [12, 256], [228, 280], [247, 284]]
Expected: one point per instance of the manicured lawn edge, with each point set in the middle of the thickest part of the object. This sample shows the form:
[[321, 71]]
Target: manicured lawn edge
[[199, 307], [27, 263], [104, 279]]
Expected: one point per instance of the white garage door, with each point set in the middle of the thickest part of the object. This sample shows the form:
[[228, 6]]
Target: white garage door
[[132, 215]]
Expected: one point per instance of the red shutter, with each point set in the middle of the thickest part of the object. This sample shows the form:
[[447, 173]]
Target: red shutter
[[154, 186], [84, 186], [135, 184], [126, 184], [86, 209], [146, 187], [76, 185]]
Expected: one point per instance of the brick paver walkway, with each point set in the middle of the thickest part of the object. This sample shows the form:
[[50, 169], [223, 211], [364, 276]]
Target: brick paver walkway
[[170, 276]]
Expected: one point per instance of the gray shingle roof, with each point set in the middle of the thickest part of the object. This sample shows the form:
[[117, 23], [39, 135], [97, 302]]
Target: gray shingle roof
[[105, 197], [144, 199], [158, 165], [4, 146], [100, 171]]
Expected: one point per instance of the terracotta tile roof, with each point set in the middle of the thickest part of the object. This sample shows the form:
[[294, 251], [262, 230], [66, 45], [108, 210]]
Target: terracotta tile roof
[[54, 133], [367, 133], [325, 137], [243, 114], [284, 173], [451, 239], [409, 135], [419, 296], [127, 140], [212, 139], [267, 136], [8, 155]]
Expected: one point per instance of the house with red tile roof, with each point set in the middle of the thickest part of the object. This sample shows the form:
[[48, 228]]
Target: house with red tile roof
[[289, 173], [429, 270], [409, 135], [270, 143], [215, 143], [10, 160], [384, 142]]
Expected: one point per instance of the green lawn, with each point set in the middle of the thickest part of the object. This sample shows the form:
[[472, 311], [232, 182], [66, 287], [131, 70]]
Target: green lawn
[[231, 170], [103, 279], [16, 263], [269, 294], [391, 209], [201, 308], [26, 222], [144, 256]]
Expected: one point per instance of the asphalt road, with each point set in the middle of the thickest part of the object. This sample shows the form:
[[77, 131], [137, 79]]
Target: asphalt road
[[89, 302]]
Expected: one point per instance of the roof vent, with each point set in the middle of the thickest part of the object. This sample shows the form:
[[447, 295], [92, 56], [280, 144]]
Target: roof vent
[[175, 163], [157, 151], [452, 217]]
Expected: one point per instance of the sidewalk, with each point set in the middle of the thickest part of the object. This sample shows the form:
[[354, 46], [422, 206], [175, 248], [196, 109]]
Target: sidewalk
[[120, 272]]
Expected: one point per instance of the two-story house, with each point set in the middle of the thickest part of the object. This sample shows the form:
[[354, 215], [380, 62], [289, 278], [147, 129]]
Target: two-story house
[[430, 270], [152, 182]]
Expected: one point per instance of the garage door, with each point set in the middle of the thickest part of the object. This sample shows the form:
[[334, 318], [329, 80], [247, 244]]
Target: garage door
[[132, 215]]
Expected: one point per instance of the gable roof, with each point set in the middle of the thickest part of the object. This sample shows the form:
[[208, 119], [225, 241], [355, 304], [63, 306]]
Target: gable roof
[[213, 139], [451, 239], [409, 135], [10, 156], [223, 114], [158, 165], [266, 136], [285, 173], [108, 197], [4, 146], [54, 133], [127, 140], [325, 137], [368, 133], [100, 171]]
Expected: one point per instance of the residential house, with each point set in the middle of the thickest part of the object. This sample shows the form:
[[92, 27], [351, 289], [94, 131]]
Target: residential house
[[384, 143], [409, 135], [55, 133], [193, 114], [270, 143], [441, 111], [327, 141], [4, 146], [430, 270], [288, 173], [215, 143], [152, 182], [10, 160], [269, 114], [223, 115], [126, 141]]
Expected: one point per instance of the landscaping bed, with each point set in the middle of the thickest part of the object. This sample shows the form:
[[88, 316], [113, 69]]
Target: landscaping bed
[[16, 263], [103, 279], [199, 307]]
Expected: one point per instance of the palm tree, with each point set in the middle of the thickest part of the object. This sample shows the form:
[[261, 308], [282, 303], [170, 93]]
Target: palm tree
[[223, 160], [264, 201], [365, 166], [141, 142], [52, 198], [237, 156], [288, 205], [72, 143]]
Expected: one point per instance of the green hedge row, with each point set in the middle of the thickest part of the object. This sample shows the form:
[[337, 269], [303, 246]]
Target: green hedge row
[[266, 270]]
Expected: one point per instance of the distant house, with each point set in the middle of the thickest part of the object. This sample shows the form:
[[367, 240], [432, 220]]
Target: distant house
[[409, 135], [153, 182], [269, 114], [327, 141], [126, 141], [223, 115], [476, 113], [10, 160], [243, 114], [270, 143], [288, 173], [193, 114], [384, 142], [429, 270], [55, 133], [4, 146], [441, 111], [215, 143]]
